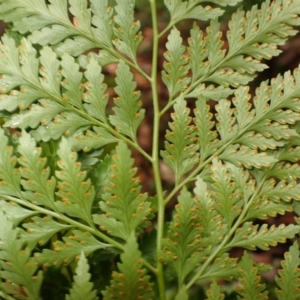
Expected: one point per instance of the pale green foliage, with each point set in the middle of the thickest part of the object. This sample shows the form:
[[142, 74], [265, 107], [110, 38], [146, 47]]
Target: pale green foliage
[[82, 287], [131, 282], [71, 200], [249, 280], [214, 292], [17, 267], [126, 208], [180, 153], [288, 276]]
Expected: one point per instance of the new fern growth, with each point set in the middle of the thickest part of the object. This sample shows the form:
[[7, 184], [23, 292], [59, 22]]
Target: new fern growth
[[75, 220]]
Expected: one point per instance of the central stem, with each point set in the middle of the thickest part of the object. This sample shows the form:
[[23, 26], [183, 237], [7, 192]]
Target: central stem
[[155, 153]]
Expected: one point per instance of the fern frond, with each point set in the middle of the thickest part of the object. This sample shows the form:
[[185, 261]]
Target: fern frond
[[128, 113], [282, 190], [211, 220], [34, 88], [227, 195], [128, 37], [184, 241], [176, 65], [40, 230], [65, 123], [242, 155], [214, 292], [14, 212], [126, 208], [261, 208], [41, 113], [17, 267], [131, 282], [69, 249], [9, 175], [182, 10], [207, 137], [76, 193], [39, 186], [102, 20], [180, 153], [252, 37], [50, 24], [95, 97], [250, 286], [288, 276], [91, 139], [82, 287], [250, 236], [286, 171], [223, 267]]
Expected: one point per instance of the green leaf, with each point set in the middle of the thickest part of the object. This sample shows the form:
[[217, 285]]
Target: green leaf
[[227, 77], [226, 193], [281, 191], [286, 171], [223, 267], [9, 175], [258, 33], [176, 65], [95, 139], [182, 295], [126, 208], [242, 155], [66, 123], [131, 282], [250, 286], [212, 225], [250, 236], [180, 154], [17, 267], [14, 212], [82, 287], [208, 141], [226, 2], [41, 113], [288, 276], [226, 121], [128, 115], [70, 249], [261, 208], [258, 141], [49, 70], [103, 57], [203, 13], [214, 292], [18, 12], [41, 230], [128, 37], [245, 66], [214, 44], [38, 185], [103, 30], [181, 10], [75, 46], [275, 130], [50, 35], [82, 15], [95, 97], [72, 88], [289, 153], [210, 92], [198, 52], [184, 239], [76, 192]]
